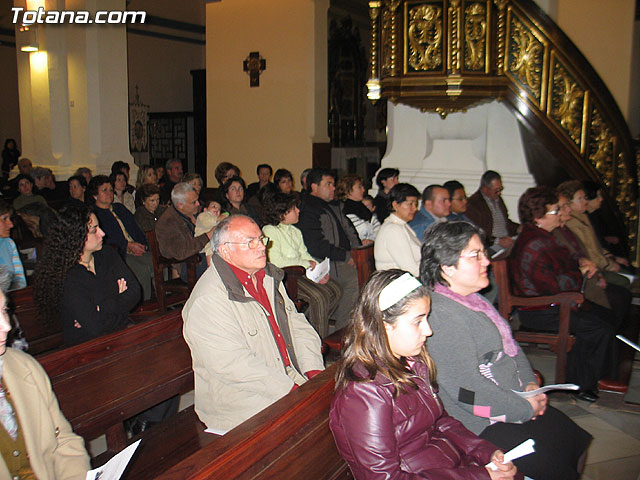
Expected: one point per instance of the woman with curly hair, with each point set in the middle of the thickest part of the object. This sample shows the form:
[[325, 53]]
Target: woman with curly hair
[[286, 248], [386, 417], [89, 288]]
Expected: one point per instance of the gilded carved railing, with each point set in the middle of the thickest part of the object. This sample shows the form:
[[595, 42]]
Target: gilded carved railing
[[449, 55]]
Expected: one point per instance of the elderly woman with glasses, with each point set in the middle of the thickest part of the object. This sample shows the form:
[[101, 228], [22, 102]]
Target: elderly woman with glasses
[[482, 372], [540, 265]]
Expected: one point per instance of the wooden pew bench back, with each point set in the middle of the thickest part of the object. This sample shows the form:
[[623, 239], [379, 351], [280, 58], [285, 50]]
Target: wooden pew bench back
[[289, 439], [101, 383], [41, 335]]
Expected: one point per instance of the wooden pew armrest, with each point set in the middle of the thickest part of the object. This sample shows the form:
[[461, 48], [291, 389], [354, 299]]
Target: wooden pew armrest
[[563, 298]]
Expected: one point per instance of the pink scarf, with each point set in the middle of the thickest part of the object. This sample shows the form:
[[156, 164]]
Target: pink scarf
[[477, 303]]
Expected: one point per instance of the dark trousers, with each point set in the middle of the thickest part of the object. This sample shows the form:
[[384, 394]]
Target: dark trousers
[[594, 328], [620, 300], [559, 444]]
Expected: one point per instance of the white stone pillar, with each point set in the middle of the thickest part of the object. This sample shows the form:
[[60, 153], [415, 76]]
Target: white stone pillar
[[73, 92], [428, 149]]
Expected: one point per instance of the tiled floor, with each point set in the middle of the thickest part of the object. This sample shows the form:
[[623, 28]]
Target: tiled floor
[[614, 453]]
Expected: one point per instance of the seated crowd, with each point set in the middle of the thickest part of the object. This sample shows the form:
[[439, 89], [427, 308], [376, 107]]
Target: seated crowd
[[250, 345]]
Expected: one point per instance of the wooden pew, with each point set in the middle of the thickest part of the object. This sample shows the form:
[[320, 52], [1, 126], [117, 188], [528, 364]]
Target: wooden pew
[[365, 263], [172, 291], [291, 276], [101, 383], [560, 342], [289, 439], [42, 334]]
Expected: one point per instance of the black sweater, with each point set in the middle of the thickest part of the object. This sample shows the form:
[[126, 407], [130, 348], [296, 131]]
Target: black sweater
[[93, 301]]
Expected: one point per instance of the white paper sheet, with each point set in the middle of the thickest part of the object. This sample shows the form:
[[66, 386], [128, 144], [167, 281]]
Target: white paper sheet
[[318, 273], [113, 469], [215, 431], [628, 342], [525, 448], [546, 388]]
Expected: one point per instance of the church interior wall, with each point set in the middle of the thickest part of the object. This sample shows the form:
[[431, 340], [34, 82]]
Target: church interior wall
[[160, 67], [277, 122]]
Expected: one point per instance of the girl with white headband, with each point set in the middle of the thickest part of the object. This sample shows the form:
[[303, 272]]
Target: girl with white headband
[[386, 417]]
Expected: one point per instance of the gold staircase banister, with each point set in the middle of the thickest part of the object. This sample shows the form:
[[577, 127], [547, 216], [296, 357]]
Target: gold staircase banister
[[449, 55]]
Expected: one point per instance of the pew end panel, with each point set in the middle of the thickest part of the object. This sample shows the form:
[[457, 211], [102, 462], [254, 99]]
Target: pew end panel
[[172, 291], [560, 343], [365, 263]]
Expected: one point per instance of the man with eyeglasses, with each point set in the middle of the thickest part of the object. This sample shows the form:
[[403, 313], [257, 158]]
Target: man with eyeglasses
[[248, 343], [487, 210]]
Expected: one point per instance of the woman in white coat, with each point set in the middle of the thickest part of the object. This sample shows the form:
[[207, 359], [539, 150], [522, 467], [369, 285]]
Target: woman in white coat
[[397, 245]]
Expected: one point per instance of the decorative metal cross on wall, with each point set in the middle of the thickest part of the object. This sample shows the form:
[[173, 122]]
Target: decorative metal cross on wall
[[254, 64]]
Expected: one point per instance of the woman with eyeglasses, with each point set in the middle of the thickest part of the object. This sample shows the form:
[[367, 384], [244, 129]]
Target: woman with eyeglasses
[[540, 265], [581, 226], [482, 371]]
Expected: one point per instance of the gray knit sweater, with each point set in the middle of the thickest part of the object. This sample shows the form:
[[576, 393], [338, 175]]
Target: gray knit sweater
[[475, 375]]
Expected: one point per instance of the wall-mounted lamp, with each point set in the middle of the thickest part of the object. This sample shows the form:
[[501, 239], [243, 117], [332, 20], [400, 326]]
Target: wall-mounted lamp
[[28, 38]]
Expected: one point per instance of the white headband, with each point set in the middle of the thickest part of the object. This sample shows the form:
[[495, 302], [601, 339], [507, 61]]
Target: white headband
[[397, 290]]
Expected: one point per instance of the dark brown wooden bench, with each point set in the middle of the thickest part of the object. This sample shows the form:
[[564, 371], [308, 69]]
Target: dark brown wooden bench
[[174, 290], [41, 334], [105, 381], [288, 440], [291, 276], [561, 342], [365, 263]]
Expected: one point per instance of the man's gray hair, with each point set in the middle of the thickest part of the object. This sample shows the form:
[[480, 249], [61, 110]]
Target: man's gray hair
[[179, 193], [221, 233], [40, 172], [170, 162]]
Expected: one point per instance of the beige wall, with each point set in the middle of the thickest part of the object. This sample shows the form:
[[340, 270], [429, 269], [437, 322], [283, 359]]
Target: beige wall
[[278, 121], [604, 32], [10, 117], [160, 67]]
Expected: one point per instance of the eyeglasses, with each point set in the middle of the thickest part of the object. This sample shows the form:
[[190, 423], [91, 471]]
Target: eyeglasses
[[477, 254], [253, 243], [552, 212]]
